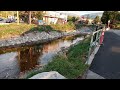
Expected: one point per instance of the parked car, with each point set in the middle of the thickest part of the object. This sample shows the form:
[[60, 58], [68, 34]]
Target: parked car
[[9, 20], [2, 20]]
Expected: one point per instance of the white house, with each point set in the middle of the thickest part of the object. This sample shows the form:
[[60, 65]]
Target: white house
[[52, 17]]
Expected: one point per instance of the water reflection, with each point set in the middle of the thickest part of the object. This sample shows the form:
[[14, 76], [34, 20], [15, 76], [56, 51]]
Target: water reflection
[[16, 60], [28, 58]]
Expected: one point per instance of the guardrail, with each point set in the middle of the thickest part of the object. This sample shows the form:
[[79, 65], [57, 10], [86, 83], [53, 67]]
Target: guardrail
[[95, 41]]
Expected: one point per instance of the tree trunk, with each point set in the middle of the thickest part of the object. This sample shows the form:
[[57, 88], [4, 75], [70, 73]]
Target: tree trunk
[[29, 17], [17, 18]]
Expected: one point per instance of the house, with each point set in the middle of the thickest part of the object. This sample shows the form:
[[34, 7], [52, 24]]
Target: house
[[52, 17]]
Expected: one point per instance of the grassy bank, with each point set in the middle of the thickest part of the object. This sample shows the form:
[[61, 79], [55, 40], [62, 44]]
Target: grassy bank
[[12, 30], [71, 65]]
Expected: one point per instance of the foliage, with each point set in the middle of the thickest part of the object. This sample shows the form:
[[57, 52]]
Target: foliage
[[72, 18], [64, 27], [113, 16], [6, 13], [24, 15], [97, 19]]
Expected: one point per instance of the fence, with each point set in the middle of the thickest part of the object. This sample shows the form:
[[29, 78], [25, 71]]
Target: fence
[[95, 41]]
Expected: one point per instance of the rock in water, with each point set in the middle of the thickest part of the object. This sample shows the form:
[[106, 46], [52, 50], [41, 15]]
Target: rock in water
[[48, 75]]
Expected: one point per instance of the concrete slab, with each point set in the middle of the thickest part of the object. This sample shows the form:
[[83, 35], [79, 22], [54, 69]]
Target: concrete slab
[[92, 75]]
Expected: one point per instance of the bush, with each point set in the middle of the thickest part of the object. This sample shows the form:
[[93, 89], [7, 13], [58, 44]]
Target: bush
[[64, 27]]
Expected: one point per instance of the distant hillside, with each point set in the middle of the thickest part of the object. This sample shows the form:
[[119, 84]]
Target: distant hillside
[[93, 15]]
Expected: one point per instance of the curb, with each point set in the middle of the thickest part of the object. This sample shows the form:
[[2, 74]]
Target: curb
[[90, 61]]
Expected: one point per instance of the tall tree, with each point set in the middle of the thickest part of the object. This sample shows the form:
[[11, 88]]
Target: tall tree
[[24, 15], [109, 15], [105, 17]]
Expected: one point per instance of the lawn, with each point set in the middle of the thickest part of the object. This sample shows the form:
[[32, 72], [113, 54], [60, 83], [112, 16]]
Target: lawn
[[12, 30], [7, 31]]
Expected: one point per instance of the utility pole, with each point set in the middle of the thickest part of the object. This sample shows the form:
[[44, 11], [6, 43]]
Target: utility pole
[[17, 18], [29, 17]]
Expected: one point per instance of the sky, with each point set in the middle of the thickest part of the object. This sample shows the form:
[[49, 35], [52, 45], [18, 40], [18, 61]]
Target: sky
[[80, 12], [88, 12]]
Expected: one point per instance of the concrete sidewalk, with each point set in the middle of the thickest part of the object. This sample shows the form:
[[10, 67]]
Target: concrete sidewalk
[[106, 64]]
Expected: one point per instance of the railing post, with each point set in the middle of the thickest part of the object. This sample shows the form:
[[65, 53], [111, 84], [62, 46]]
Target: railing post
[[97, 35], [100, 36], [96, 39], [90, 47]]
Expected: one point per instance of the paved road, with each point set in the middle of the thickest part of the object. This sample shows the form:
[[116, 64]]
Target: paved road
[[107, 60]]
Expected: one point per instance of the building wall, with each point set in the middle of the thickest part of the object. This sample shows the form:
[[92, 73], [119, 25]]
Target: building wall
[[52, 16]]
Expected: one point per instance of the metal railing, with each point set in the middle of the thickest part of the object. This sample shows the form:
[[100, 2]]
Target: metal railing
[[95, 41]]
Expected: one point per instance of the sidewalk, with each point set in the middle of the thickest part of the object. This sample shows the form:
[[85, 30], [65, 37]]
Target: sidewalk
[[106, 64]]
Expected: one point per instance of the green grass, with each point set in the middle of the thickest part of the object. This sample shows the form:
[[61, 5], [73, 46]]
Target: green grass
[[71, 65], [7, 31]]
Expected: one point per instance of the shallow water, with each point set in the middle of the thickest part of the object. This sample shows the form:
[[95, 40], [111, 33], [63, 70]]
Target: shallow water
[[14, 61]]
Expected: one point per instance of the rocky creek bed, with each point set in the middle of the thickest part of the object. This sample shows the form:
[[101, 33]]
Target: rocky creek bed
[[39, 37]]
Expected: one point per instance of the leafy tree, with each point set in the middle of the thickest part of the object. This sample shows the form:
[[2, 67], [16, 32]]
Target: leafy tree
[[118, 17], [24, 15], [105, 17], [110, 15], [97, 19], [72, 18]]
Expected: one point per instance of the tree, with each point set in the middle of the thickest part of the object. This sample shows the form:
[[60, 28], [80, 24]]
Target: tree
[[105, 17], [29, 17], [24, 15], [17, 17], [97, 19], [118, 17], [72, 18], [109, 15], [39, 15]]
